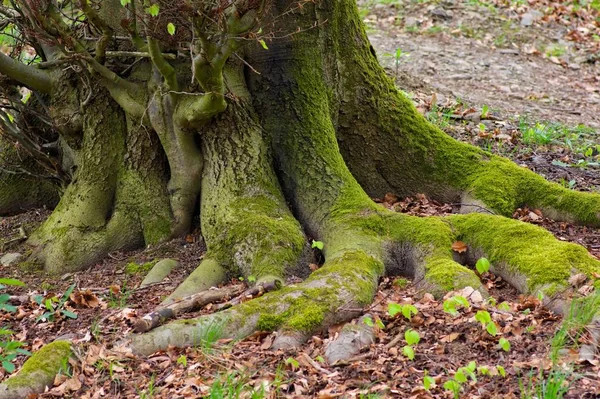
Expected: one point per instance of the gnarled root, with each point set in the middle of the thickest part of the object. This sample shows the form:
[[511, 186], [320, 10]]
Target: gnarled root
[[361, 240]]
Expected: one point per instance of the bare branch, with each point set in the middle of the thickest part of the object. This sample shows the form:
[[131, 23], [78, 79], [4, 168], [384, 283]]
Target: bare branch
[[31, 77], [107, 31], [166, 70]]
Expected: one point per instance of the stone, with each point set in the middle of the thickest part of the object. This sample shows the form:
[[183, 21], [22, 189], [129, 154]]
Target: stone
[[10, 259], [530, 17], [160, 270]]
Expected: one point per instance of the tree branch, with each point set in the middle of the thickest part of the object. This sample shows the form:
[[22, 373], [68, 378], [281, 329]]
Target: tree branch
[[31, 77], [132, 28], [166, 70], [107, 31]]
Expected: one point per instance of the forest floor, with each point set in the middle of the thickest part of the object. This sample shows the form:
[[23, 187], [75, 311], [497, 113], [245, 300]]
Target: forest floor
[[519, 79]]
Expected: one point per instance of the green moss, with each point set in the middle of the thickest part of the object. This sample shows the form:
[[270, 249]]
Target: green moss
[[135, 268], [270, 322], [262, 237], [305, 308], [47, 361], [449, 275], [527, 250]]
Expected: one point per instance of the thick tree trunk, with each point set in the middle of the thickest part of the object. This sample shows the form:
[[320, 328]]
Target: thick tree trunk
[[321, 95], [297, 152], [118, 197]]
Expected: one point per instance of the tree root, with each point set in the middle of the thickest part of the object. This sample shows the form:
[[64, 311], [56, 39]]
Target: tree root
[[350, 340], [38, 372]]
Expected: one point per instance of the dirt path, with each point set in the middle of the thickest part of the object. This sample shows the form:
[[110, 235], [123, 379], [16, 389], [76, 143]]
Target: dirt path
[[486, 56]]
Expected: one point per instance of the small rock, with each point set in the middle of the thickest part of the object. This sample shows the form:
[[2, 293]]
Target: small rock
[[577, 280], [440, 13], [530, 17], [411, 22], [474, 117], [10, 259]]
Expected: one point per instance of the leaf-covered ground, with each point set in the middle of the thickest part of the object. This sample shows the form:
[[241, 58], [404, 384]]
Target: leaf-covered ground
[[519, 79]]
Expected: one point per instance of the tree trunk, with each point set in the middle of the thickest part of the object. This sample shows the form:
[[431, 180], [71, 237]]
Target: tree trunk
[[290, 143]]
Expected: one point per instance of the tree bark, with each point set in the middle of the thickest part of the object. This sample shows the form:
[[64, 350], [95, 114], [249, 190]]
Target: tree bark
[[294, 151]]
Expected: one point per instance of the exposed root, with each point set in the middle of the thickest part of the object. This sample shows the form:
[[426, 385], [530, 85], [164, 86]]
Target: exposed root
[[38, 372], [530, 258], [329, 296], [351, 339], [208, 274]]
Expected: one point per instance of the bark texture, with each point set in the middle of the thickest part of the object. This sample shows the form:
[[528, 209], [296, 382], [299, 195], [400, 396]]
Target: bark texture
[[286, 144]]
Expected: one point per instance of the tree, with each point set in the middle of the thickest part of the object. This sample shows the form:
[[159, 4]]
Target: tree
[[277, 118]]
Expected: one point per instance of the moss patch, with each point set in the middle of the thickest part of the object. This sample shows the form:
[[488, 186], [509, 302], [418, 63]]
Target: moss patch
[[136, 268], [42, 366]]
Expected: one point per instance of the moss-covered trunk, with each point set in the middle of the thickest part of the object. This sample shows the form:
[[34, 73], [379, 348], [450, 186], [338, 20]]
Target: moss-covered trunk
[[117, 199], [293, 151]]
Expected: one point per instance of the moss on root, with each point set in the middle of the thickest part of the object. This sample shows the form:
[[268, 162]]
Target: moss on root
[[262, 238], [527, 250]]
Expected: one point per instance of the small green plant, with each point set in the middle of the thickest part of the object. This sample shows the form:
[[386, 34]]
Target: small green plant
[[482, 266], [10, 349], [483, 316], [554, 386], [451, 304], [317, 244], [428, 381], [412, 339], [4, 298], [293, 363], [460, 377], [401, 282], [148, 393], [55, 307], [555, 51], [182, 360], [575, 323], [407, 310], [371, 323], [504, 344], [485, 111]]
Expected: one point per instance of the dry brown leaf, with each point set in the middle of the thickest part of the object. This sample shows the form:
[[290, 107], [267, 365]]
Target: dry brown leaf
[[450, 337], [85, 299]]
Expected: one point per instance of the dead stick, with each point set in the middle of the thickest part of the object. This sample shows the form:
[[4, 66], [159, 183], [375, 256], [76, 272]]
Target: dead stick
[[159, 316]]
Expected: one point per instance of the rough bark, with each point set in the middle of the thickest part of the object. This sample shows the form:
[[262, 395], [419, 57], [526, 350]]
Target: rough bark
[[291, 152]]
